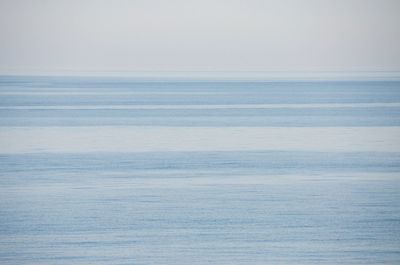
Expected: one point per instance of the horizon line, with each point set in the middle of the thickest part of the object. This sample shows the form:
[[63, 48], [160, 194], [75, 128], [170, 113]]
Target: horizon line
[[216, 75]]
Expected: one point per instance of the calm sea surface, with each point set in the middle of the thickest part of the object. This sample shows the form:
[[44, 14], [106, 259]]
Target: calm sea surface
[[129, 171]]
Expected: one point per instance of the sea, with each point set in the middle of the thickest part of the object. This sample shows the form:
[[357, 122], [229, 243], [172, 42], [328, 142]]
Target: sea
[[119, 170]]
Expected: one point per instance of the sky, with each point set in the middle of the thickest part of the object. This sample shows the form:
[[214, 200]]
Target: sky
[[48, 36]]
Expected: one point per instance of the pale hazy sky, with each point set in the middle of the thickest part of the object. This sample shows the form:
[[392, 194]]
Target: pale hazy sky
[[204, 35]]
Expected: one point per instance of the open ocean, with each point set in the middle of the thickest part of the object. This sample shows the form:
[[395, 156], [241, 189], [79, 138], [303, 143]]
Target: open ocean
[[131, 171]]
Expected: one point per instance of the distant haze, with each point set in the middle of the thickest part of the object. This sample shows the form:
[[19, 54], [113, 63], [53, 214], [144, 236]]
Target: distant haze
[[45, 36]]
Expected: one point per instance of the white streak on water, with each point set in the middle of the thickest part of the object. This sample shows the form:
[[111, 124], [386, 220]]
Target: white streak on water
[[219, 106], [143, 139], [102, 93]]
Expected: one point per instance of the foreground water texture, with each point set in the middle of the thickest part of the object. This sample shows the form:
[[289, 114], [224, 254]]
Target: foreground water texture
[[123, 171]]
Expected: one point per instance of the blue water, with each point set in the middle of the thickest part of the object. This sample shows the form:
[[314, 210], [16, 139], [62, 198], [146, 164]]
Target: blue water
[[243, 206]]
